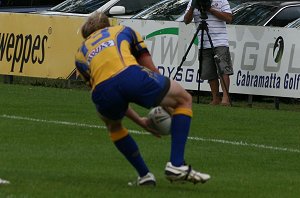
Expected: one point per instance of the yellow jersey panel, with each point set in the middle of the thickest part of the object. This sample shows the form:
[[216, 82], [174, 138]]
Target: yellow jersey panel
[[108, 51]]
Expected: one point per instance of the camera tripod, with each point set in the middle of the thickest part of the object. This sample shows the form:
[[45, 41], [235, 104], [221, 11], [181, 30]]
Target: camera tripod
[[203, 27]]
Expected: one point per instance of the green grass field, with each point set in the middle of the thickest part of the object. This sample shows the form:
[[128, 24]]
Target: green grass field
[[53, 145]]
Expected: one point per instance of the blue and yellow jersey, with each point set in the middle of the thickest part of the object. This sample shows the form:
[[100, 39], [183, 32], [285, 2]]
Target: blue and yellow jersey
[[108, 51]]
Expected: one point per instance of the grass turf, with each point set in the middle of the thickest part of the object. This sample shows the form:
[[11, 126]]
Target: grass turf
[[249, 152]]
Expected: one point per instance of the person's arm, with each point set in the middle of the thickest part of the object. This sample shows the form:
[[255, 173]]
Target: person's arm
[[140, 51], [141, 121], [134, 116], [224, 16], [188, 17]]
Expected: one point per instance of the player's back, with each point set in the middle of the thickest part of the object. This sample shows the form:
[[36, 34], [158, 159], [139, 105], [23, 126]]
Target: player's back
[[108, 51]]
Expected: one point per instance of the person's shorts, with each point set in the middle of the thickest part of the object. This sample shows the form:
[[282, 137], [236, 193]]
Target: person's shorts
[[135, 84], [209, 68]]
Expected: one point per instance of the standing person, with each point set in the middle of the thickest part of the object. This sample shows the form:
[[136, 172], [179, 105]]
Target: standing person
[[218, 14], [116, 64]]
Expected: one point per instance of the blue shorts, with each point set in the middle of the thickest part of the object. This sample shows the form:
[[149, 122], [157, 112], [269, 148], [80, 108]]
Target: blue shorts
[[136, 84]]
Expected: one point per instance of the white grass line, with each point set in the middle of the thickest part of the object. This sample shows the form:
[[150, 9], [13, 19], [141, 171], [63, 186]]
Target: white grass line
[[241, 143], [52, 121]]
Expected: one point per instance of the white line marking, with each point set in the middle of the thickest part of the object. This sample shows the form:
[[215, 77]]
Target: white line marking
[[241, 143]]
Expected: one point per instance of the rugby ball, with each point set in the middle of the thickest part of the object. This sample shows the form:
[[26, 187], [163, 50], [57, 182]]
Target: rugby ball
[[160, 120]]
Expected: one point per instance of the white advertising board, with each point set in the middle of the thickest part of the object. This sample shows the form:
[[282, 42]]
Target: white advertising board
[[266, 59]]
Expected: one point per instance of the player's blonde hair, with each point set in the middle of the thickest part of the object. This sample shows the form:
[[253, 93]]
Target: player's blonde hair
[[96, 21]]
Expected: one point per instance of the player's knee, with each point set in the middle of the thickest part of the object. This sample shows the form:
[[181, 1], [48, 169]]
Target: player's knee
[[186, 100], [189, 98]]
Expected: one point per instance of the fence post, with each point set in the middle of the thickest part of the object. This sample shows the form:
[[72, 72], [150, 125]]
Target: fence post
[[276, 102], [8, 79], [250, 101]]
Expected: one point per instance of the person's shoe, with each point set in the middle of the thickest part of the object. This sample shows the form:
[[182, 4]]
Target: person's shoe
[[184, 173], [147, 180], [2, 181]]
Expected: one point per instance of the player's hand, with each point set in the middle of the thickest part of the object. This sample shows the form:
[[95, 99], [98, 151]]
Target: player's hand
[[146, 124]]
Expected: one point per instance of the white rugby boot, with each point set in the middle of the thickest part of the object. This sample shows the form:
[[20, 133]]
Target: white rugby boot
[[184, 173], [147, 180], [2, 181]]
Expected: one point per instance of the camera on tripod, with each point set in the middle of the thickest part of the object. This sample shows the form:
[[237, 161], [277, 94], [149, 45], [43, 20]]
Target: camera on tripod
[[202, 6]]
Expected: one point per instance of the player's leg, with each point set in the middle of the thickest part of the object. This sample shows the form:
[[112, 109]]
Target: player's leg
[[181, 101], [128, 147], [112, 107]]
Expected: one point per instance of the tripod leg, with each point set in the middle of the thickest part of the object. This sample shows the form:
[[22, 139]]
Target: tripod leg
[[187, 51], [200, 58]]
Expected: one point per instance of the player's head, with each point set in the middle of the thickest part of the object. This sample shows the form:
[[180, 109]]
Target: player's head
[[96, 21]]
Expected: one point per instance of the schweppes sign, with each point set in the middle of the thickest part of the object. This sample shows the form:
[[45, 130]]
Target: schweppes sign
[[22, 49], [38, 45]]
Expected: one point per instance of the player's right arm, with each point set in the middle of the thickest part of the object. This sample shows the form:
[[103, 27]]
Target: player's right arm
[[141, 52], [146, 60]]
